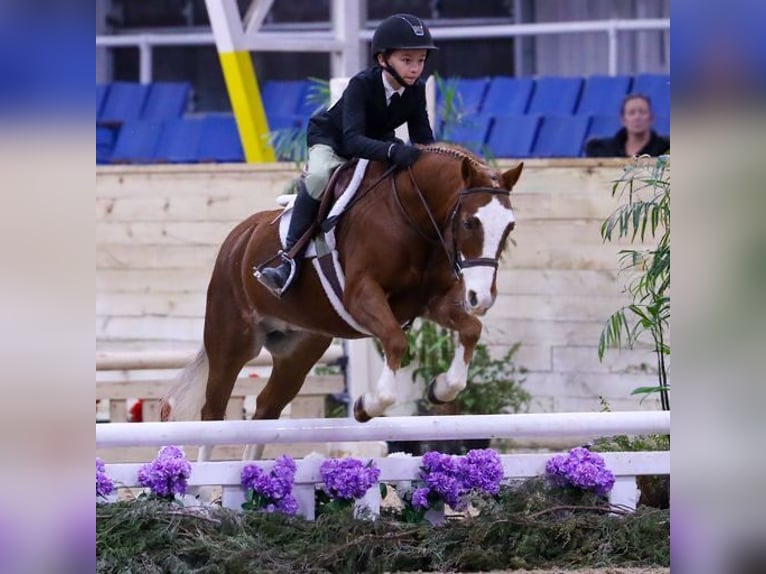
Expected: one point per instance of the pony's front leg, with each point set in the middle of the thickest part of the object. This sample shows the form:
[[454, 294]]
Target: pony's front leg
[[369, 306], [447, 386]]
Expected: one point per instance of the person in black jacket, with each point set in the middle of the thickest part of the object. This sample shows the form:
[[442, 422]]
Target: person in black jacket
[[361, 124], [636, 137]]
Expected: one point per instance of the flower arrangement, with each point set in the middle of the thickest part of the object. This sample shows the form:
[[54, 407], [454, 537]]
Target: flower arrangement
[[270, 491], [345, 480], [104, 484], [451, 480], [581, 469], [167, 475]]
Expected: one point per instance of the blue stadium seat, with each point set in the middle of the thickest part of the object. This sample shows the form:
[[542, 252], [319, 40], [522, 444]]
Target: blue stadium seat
[[657, 87], [282, 97], [104, 143], [513, 136], [555, 95], [561, 136], [468, 94], [508, 96], [470, 133], [180, 140], [124, 102], [220, 140], [602, 95], [101, 92], [604, 126], [137, 142], [662, 125], [166, 101]]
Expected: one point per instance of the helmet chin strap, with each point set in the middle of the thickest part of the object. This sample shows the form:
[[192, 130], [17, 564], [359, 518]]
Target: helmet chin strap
[[387, 67]]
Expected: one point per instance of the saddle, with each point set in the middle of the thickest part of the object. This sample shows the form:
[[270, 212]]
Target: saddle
[[335, 189]]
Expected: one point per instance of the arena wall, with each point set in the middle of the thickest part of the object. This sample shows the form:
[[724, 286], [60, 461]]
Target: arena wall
[[158, 230]]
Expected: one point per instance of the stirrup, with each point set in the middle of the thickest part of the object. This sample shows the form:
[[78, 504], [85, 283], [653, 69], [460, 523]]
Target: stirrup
[[274, 290]]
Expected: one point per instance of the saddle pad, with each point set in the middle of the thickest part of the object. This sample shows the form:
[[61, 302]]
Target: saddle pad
[[325, 258], [337, 209]]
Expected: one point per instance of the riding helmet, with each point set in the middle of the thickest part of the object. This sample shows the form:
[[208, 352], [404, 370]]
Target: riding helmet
[[401, 32]]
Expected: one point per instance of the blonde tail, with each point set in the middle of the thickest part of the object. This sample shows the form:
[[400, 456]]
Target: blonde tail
[[186, 399]]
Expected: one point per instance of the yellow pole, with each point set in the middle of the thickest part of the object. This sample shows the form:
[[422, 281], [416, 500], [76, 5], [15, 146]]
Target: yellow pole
[[247, 106]]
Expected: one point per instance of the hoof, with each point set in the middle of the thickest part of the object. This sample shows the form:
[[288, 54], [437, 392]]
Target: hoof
[[432, 395], [359, 413]]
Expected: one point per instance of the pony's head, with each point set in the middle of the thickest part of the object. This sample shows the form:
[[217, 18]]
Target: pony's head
[[480, 225]]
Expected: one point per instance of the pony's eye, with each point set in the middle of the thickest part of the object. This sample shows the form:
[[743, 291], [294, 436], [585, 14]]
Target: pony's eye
[[469, 223]]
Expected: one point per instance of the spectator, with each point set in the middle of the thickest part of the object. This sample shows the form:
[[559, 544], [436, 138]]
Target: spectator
[[636, 137]]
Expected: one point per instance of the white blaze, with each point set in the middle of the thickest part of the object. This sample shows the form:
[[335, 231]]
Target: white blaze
[[494, 217]]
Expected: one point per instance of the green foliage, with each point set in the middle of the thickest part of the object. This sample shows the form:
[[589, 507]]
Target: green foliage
[[528, 526], [644, 215], [494, 385]]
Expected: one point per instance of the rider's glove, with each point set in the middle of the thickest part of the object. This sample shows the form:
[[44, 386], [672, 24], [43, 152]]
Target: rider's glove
[[403, 155]]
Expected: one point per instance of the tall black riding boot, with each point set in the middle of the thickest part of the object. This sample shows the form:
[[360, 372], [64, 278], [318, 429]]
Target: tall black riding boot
[[278, 279]]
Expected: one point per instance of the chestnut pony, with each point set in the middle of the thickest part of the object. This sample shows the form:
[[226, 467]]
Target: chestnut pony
[[423, 242]]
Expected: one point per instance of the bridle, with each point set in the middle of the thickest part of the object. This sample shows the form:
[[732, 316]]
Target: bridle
[[456, 262]]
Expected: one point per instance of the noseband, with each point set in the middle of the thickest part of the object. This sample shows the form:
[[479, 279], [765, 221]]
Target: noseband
[[457, 264]]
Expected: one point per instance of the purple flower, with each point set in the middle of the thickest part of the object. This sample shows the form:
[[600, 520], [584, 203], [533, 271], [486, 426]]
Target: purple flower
[[440, 474], [420, 498], [348, 478], [273, 489], [104, 484], [481, 470], [581, 469], [168, 474]]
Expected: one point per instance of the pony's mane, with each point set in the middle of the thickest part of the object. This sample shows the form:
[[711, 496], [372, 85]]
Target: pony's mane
[[459, 152], [456, 151]]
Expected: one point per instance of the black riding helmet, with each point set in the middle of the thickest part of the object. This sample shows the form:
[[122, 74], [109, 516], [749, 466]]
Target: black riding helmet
[[400, 32]]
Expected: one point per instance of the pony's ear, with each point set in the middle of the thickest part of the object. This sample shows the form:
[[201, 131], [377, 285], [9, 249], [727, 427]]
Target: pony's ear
[[467, 172], [511, 176]]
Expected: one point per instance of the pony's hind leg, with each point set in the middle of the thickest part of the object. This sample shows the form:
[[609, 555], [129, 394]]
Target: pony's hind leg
[[294, 355], [231, 340]]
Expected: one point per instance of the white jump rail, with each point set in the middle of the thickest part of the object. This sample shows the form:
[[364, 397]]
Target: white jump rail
[[625, 466], [386, 428], [143, 360]]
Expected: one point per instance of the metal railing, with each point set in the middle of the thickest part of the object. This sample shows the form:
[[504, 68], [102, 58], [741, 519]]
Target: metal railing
[[324, 41]]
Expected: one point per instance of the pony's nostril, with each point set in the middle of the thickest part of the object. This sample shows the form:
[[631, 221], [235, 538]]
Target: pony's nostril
[[513, 224], [472, 298]]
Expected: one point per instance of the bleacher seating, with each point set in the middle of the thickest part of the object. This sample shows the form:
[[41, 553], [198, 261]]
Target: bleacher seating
[[220, 140], [471, 133], [124, 102], [499, 117], [468, 95], [101, 92], [657, 87], [137, 142], [561, 136], [602, 95], [513, 136], [166, 101], [662, 125], [555, 95], [604, 126], [508, 96]]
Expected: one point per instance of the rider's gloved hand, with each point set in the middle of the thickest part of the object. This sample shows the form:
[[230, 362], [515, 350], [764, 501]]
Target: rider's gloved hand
[[403, 155]]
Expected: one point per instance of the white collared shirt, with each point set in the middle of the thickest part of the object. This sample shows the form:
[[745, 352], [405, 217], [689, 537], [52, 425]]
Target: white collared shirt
[[389, 90]]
